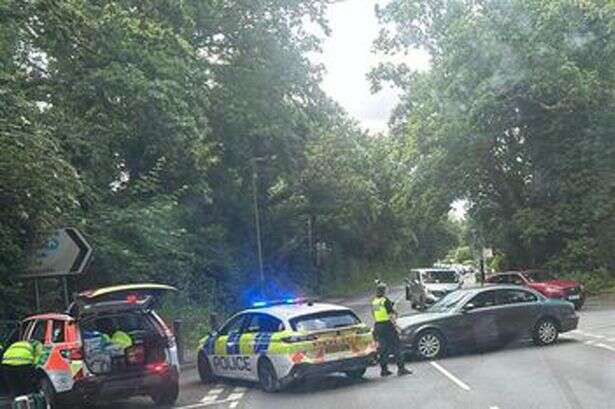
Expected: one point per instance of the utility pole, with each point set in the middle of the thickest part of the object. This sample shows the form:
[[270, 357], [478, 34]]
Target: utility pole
[[257, 223]]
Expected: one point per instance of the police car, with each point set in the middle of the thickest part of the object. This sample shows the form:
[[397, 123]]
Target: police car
[[277, 343]]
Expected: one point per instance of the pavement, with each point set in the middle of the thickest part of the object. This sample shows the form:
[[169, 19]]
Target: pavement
[[578, 372]]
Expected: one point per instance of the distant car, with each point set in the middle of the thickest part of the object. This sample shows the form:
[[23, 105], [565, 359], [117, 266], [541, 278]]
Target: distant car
[[71, 371], [545, 283], [425, 286], [281, 342], [483, 316]]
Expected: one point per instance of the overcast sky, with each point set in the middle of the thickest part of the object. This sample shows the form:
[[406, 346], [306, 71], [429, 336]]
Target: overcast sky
[[348, 58]]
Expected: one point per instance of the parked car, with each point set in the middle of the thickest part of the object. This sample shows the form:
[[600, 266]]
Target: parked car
[[545, 283], [425, 286], [485, 316], [78, 365]]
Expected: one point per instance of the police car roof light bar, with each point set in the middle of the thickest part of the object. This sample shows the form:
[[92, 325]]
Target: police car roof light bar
[[287, 301]]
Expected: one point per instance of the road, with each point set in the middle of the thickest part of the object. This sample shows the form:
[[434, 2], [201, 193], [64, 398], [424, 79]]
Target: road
[[578, 372]]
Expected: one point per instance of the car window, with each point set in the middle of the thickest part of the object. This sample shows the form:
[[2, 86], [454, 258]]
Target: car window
[[516, 279], [484, 299], [57, 332], [515, 297], [233, 326], [324, 320], [263, 323], [38, 332]]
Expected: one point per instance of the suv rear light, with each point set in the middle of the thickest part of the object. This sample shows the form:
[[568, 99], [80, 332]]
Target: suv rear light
[[299, 338], [158, 367]]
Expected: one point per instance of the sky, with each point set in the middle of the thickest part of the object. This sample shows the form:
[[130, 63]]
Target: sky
[[347, 56]]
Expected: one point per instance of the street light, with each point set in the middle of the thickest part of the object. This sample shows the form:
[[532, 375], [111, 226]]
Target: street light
[[257, 221]]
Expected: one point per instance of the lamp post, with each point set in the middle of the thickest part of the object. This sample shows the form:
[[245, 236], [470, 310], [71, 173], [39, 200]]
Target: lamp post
[[257, 222]]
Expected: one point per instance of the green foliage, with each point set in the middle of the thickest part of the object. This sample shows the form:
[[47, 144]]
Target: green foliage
[[516, 116]]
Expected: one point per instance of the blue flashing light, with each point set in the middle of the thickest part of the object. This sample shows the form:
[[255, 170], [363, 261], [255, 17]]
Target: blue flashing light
[[290, 301], [259, 304]]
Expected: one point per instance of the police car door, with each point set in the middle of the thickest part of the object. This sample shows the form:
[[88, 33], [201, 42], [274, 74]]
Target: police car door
[[227, 360], [256, 338]]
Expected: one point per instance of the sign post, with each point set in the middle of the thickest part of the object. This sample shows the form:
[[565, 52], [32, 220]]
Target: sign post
[[64, 254]]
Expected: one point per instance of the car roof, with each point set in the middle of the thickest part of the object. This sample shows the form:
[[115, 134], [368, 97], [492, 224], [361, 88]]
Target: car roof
[[50, 316], [489, 286], [289, 311]]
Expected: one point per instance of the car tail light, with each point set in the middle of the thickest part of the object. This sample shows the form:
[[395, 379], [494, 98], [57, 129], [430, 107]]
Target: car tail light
[[158, 367], [299, 338], [363, 330]]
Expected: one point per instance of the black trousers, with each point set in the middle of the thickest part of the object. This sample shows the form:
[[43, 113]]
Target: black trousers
[[388, 344], [20, 380]]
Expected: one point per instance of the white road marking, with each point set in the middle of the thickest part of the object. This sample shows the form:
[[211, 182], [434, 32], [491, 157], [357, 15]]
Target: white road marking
[[209, 398], [203, 404], [493, 407], [215, 391], [589, 342], [235, 396], [233, 405], [450, 376], [240, 389], [605, 346]]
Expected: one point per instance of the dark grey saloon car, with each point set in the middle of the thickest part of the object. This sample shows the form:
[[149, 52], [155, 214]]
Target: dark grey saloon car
[[486, 316]]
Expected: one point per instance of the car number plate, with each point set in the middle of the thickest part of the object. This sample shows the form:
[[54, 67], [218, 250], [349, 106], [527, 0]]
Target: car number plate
[[574, 297]]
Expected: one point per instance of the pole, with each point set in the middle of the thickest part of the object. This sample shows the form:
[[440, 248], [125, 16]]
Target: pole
[[65, 284], [482, 270], [257, 223], [37, 296]]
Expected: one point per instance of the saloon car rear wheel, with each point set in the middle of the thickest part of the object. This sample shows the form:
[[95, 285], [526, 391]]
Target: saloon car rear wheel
[[267, 377], [430, 344], [545, 332]]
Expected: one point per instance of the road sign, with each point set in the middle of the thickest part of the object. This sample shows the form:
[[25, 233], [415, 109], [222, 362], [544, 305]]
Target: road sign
[[65, 253]]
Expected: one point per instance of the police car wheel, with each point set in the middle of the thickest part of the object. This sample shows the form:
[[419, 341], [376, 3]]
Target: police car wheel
[[205, 372], [49, 393], [267, 377], [356, 373]]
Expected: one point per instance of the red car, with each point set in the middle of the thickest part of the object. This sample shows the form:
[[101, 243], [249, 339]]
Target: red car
[[545, 283]]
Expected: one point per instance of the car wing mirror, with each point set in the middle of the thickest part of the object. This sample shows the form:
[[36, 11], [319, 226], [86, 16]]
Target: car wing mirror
[[468, 307]]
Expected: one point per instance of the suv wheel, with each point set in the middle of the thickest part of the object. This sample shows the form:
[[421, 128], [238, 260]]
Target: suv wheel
[[545, 332], [267, 377], [167, 396], [49, 393]]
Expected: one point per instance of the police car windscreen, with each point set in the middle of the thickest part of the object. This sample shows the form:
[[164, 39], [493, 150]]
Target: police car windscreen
[[324, 320]]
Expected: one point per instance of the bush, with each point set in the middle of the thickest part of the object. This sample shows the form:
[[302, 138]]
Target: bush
[[596, 282]]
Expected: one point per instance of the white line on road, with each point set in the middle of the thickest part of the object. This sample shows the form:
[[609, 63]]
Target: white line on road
[[233, 405], [205, 404], [235, 396], [450, 376], [209, 398], [605, 346], [215, 391], [493, 407]]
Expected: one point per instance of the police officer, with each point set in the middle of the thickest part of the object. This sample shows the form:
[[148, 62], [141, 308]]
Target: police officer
[[386, 333], [18, 366]]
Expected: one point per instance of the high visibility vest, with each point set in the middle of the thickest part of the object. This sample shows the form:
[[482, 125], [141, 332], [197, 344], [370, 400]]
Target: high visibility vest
[[18, 354], [121, 339], [379, 310]]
